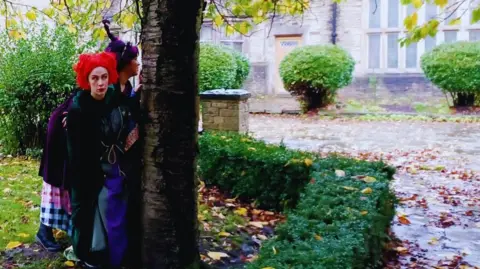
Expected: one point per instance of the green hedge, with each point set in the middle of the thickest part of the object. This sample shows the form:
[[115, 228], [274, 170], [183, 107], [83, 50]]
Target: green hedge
[[335, 225], [273, 176], [217, 67]]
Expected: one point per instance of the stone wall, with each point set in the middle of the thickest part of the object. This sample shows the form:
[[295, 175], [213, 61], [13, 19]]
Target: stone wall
[[225, 115]]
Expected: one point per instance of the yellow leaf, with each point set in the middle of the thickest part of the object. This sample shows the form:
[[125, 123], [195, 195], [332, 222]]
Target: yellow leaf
[[69, 264], [340, 173], [31, 15], [24, 235], [417, 3], [252, 149], [217, 255], [456, 21], [367, 191], [218, 20], [229, 30], [10, 23], [224, 234], [402, 250], [62, 19], [411, 21], [72, 29], [129, 19], [441, 3], [13, 244], [274, 250], [200, 217], [49, 11], [433, 241], [350, 188], [364, 213], [308, 162], [241, 211], [318, 237], [369, 179], [269, 267]]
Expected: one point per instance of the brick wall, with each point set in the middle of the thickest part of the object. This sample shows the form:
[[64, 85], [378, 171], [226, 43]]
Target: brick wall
[[225, 115]]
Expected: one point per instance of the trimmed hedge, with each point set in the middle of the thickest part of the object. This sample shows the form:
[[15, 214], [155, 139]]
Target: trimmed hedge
[[273, 176], [217, 67], [243, 69], [338, 222], [335, 225], [453, 67]]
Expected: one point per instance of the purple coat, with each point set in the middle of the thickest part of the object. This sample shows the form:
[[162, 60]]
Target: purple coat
[[54, 166]]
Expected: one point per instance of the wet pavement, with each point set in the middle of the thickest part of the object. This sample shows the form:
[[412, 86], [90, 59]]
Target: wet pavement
[[437, 180]]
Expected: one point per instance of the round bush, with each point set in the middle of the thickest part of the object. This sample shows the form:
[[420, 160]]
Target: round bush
[[454, 68], [217, 68], [243, 69], [315, 73]]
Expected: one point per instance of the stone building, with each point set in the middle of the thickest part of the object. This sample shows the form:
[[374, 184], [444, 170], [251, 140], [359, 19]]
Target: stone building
[[368, 29]]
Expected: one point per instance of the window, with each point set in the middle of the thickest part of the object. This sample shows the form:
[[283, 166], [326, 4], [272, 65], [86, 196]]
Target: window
[[450, 36], [385, 27], [235, 41], [206, 33], [474, 35]]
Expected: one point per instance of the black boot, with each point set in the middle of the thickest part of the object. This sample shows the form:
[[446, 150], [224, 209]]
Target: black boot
[[45, 238]]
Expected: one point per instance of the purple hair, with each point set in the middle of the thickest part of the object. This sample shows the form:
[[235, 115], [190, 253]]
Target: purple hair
[[125, 52]]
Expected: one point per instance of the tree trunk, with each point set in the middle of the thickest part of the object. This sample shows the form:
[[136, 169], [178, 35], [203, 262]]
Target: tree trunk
[[170, 32]]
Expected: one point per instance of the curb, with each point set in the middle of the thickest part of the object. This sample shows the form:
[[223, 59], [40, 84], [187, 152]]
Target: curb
[[340, 114]]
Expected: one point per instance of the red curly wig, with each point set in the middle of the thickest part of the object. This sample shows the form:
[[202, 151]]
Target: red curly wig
[[89, 61]]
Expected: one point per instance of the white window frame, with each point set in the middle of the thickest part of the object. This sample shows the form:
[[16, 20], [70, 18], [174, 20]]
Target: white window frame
[[463, 33]]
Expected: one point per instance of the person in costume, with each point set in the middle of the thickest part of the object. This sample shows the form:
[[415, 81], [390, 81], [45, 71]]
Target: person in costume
[[98, 131], [128, 67]]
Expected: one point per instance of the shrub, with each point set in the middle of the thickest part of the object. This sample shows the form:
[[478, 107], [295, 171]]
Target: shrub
[[243, 68], [454, 69], [272, 176], [315, 73], [35, 77], [217, 68], [338, 223]]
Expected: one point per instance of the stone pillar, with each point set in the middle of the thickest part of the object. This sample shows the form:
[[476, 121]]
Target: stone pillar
[[225, 110]]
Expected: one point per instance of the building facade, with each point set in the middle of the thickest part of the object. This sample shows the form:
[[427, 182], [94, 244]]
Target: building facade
[[368, 29]]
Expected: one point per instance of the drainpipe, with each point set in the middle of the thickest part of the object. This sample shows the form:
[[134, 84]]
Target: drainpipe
[[333, 22]]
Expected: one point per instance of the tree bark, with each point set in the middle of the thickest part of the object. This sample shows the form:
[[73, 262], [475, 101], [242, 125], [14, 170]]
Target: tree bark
[[170, 32]]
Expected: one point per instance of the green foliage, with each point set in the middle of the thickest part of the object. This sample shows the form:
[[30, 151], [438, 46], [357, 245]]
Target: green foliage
[[337, 223], [273, 176], [243, 68], [36, 76], [217, 68], [315, 73], [454, 69]]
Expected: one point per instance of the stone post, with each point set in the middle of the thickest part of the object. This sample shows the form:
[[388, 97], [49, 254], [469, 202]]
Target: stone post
[[225, 110]]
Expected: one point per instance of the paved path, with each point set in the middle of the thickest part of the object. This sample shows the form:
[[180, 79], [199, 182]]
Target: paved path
[[438, 178]]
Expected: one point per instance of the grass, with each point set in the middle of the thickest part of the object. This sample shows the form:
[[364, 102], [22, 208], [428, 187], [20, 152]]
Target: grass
[[20, 202]]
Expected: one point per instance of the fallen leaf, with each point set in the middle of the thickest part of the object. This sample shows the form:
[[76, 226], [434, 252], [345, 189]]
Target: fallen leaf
[[340, 173], [368, 179], [69, 264], [24, 235], [308, 162], [262, 237], [364, 213], [241, 211], [217, 255], [402, 250], [318, 237], [224, 234], [13, 244], [433, 241], [256, 224], [350, 188], [268, 267], [252, 149], [7, 191], [367, 191], [274, 250], [403, 220]]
